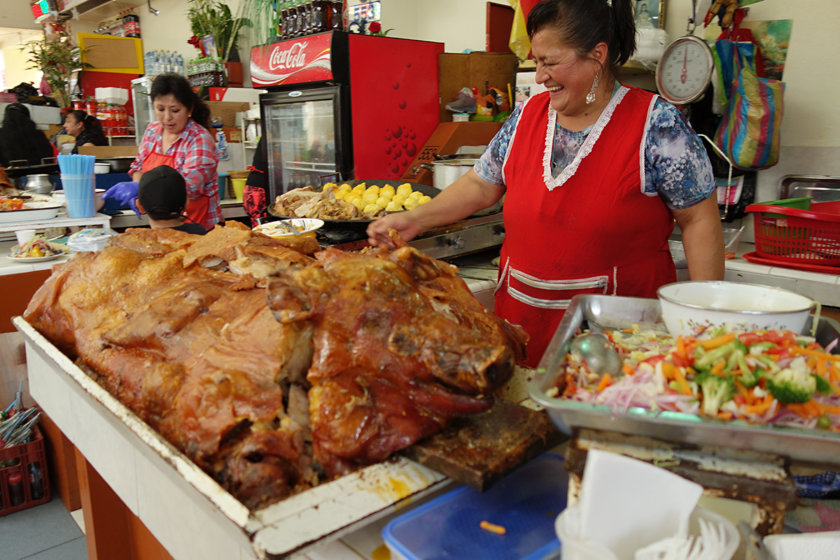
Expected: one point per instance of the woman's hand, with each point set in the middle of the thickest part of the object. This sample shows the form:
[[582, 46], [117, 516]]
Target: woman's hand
[[402, 222]]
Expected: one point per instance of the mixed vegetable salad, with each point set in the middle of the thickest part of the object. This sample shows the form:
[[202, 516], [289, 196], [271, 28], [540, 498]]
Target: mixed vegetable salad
[[766, 377]]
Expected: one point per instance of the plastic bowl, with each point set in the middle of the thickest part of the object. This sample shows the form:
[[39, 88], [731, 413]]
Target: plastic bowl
[[286, 228], [688, 307]]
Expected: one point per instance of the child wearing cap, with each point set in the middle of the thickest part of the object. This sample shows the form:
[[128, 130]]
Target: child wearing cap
[[162, 195]]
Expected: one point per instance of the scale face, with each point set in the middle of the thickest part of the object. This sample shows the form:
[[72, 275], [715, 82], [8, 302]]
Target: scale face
[[684, 70]]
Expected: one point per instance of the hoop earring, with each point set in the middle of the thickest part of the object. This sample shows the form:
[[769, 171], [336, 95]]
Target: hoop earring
[[590, 97]]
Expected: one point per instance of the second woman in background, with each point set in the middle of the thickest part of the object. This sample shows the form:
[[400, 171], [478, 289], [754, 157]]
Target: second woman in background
[[180, 139], [85, 129]]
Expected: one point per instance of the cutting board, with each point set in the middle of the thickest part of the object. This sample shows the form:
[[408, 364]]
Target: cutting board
[[478, 450]]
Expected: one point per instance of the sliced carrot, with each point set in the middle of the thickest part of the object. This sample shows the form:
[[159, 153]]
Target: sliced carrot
[[685, 388], [828, 409], [749, 396], [627, 369], [761, 407], [668, 370], [817, 353], [716, 341], [605, 382], [725, 415], [681, 347], [492, 528], [717, 369]]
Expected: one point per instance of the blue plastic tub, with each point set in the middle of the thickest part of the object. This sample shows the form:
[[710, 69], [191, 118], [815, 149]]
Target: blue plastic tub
[[525, 503]]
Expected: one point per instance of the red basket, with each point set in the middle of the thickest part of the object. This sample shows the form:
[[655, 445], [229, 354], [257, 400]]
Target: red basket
[[28, 463], [798, 236]]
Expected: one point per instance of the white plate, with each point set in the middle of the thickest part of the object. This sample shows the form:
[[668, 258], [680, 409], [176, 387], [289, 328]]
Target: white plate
[[36, 212], [35, 259], [281, 228]]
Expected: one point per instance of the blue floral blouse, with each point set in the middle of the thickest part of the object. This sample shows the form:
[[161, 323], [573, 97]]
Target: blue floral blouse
[[676, 164]]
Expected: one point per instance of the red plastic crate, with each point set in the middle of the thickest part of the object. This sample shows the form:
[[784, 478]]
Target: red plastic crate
[[19, 459], [798, 236]]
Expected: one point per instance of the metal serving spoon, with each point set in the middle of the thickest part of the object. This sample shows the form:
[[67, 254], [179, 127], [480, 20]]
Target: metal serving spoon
[[599, 353]]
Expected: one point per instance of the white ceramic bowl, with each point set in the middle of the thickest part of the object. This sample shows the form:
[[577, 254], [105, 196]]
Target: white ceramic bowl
[[688, 306], [283, 228]]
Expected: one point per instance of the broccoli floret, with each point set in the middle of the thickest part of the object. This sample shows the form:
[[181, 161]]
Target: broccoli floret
[[823, 386], [716, 391], [793, 384]]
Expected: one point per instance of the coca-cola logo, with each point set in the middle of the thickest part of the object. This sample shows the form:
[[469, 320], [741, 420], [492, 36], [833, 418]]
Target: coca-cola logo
[[291, 58]]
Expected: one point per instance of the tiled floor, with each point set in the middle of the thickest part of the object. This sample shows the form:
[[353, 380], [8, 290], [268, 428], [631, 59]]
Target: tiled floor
[[44, 532]]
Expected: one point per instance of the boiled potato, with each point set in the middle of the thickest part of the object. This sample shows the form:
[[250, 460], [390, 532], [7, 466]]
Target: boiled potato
[[416, 195], [373, 188], [399, 198], [370, 196], [328, 185], [358, 203], [340, 194], [424, 199], [393, 206], [404, 188], [388, 191], [371, 209], [382, 201], [359, 189], [344, 188], [410, 203]]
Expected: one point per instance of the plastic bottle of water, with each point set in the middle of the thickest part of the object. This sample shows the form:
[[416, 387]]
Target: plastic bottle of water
[[221, 145], [179, 62]]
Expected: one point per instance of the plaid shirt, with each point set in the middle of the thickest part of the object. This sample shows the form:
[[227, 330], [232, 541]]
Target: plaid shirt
[[195, 158]]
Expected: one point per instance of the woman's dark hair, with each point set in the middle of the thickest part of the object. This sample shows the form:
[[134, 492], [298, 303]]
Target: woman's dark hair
[[179, 87], [92, 131], [20, 138], [90, 122], [582, 24]]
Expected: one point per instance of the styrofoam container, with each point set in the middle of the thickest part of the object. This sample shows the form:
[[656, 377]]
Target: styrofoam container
[[575, 548], [524, 502], [688, 306]]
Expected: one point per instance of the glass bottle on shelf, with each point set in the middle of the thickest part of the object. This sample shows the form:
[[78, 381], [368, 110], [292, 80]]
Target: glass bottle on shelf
[[318, 16], [336, 15]]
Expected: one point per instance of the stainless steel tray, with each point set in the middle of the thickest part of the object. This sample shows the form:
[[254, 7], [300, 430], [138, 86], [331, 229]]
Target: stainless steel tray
[[597, 312]]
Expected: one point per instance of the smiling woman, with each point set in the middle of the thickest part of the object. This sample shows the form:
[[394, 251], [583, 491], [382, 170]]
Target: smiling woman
[[577, 165]]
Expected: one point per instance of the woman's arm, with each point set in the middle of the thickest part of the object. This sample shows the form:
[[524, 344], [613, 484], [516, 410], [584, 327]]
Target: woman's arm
[[464, 197], [702, 238], [199, 166]]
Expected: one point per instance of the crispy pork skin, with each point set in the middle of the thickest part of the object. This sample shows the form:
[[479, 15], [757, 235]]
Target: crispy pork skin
[[270, 365]]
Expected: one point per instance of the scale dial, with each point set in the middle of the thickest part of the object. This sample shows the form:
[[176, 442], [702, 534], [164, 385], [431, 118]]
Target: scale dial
[[684, 70]]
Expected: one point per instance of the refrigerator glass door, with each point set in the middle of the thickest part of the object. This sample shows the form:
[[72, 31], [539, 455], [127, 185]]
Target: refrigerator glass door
[[144, 113], [300, 140]]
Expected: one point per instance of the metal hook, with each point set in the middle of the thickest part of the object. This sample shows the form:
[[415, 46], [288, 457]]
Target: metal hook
[[152, 10]]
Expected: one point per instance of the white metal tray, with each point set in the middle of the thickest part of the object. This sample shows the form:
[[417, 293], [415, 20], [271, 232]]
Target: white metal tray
[[598, 313]]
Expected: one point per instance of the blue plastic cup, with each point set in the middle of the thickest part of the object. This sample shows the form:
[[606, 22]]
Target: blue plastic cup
[[79, 192]]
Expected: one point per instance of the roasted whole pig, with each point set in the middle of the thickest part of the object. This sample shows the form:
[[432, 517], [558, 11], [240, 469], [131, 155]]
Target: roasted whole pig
[[271, 364]]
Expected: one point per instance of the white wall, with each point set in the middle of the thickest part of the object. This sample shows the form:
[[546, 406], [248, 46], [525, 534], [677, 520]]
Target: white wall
[[811, 125]]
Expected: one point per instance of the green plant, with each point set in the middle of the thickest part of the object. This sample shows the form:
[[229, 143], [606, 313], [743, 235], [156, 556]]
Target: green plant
[[213, 17], [57, 59]]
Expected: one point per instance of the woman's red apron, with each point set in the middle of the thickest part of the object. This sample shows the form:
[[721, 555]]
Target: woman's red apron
[[596, 233], [198, 209]]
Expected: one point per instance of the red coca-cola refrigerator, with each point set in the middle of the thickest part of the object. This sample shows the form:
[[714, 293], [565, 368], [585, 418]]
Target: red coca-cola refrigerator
[[344, 106]]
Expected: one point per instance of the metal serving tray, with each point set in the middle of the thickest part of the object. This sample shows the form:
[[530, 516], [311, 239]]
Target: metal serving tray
[[598, 313]]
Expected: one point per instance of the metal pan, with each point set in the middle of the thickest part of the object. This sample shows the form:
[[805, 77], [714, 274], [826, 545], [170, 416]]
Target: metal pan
[[598, 312], [363, 223]]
